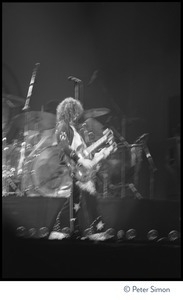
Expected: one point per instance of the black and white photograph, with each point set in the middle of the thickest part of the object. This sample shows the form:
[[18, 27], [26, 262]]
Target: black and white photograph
[[91, 141]]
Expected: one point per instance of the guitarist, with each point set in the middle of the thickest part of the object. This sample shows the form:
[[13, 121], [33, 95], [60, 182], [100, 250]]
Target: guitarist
[[69, 140]]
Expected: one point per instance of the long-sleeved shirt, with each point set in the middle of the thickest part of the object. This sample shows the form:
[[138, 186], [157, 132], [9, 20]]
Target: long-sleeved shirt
[[65, 134]]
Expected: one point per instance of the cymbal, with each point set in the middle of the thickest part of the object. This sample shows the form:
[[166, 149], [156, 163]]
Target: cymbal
[[12, 100], [95, 112], [35, 120]]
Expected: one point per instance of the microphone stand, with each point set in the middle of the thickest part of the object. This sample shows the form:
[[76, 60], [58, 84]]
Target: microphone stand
[[76, 90], [71, 203]]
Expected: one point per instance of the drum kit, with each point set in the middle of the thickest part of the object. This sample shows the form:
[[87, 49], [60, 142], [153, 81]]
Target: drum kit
[[31, 157]]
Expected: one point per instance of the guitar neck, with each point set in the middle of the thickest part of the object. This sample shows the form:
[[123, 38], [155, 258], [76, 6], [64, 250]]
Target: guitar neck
[[94, 146]]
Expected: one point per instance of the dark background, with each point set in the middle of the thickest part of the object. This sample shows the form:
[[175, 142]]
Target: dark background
[[135, 47]]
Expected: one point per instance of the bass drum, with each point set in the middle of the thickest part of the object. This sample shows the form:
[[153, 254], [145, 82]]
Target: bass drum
[[47, 176]]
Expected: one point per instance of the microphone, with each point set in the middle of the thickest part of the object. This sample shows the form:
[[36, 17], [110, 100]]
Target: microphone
[[141, 138], [93, 77], [77, 80]]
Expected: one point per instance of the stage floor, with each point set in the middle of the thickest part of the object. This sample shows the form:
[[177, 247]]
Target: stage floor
[[35, 259], [76, 259]]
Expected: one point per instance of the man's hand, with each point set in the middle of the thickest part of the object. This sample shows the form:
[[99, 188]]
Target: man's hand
[[87, 163]]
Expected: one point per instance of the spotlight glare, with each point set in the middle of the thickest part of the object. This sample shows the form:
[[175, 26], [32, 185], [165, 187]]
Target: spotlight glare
[[21, 231], [120, 234], [43, 232], [32, 232], [152, 235], [173, 235], [131, 234]]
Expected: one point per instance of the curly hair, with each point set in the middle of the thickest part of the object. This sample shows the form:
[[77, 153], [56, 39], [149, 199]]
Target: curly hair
[[69, 110]]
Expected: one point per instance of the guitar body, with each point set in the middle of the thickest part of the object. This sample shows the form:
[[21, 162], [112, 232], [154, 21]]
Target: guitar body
[[83, 175]]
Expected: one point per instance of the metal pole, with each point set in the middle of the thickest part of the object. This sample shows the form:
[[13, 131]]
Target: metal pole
[[71, 210], [152, 169], [26, 109], [123, 131], [4, 169]]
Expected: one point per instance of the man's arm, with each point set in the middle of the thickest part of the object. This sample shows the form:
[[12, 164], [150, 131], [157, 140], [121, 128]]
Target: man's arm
[[64, 139]]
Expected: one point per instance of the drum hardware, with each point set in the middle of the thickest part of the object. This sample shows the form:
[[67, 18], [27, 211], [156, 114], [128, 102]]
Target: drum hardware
[[37, 147], [132, 187], [142, 138], [112, 168], [9, 182], [24, 120], [22, 157], [12, 100], [45, 176], [14, 187], [152, 169], [9, 102], [7, 170], [122, 139], [4, 169], [136, 150], [43, 120], [124, 143], [95, 112], [141, 142]]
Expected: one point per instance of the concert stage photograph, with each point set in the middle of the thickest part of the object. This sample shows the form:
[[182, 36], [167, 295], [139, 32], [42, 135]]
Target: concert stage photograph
[[91, 141]]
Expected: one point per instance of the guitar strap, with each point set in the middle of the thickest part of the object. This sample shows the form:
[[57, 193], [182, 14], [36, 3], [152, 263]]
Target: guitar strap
[[77, 139]]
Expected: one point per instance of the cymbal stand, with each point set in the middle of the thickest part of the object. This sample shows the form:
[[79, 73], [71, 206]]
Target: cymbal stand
[[26, 127], [123, 185], [123, 132], [152, 169], [136, 160], [125, 145], [5, 186]]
